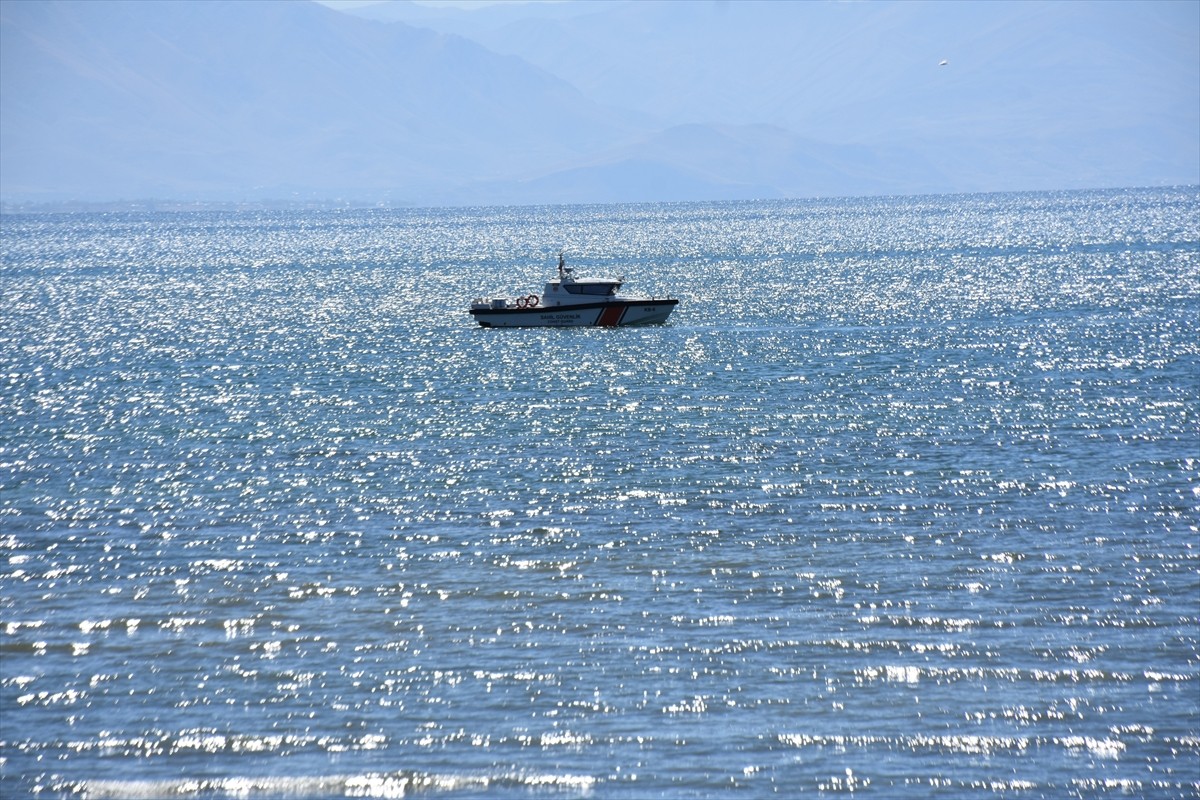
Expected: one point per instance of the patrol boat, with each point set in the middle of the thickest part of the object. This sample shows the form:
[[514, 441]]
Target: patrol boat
[[568, 301]]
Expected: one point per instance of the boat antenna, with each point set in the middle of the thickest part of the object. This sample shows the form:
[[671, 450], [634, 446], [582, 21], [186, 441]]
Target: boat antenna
[[561, 263]]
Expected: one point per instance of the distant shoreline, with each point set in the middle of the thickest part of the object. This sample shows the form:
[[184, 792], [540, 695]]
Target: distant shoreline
[[126, 206], [12, 208]]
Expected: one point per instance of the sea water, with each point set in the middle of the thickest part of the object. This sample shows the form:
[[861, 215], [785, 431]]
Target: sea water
[[902, 502]]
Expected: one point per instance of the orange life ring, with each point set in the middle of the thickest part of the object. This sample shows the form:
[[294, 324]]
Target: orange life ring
[[520, 302], [532, 301]]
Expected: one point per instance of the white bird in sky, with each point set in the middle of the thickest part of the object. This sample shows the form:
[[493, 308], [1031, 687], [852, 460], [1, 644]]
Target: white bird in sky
[[943, 62]]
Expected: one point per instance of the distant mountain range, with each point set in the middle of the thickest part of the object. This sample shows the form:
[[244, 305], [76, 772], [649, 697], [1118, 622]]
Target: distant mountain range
[[591, 101]]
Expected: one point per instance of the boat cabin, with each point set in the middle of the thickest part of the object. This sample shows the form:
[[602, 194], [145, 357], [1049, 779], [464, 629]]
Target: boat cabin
[[566, 288], [601, 288]]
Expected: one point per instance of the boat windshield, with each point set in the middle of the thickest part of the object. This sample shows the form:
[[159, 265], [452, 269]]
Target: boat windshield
[[599, 288]]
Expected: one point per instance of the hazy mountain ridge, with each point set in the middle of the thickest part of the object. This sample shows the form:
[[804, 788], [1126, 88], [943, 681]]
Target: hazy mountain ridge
[[725, 162], [1055, 95], [261, 99], [834, 70], [592, 101]]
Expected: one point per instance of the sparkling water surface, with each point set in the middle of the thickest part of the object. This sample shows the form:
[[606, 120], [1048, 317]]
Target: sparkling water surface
[[902, 502]]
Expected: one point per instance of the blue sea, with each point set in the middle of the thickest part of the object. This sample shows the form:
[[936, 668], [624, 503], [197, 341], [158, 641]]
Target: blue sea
[[902, 502]]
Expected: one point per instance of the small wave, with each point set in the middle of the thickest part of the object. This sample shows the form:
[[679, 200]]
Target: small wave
[[384, 785], [970, 744]]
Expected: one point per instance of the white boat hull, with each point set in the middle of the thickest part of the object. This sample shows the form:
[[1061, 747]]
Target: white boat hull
[[606, 315]]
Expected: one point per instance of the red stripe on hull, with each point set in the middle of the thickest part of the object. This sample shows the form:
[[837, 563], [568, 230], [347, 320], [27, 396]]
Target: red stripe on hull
[[611, 317]]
